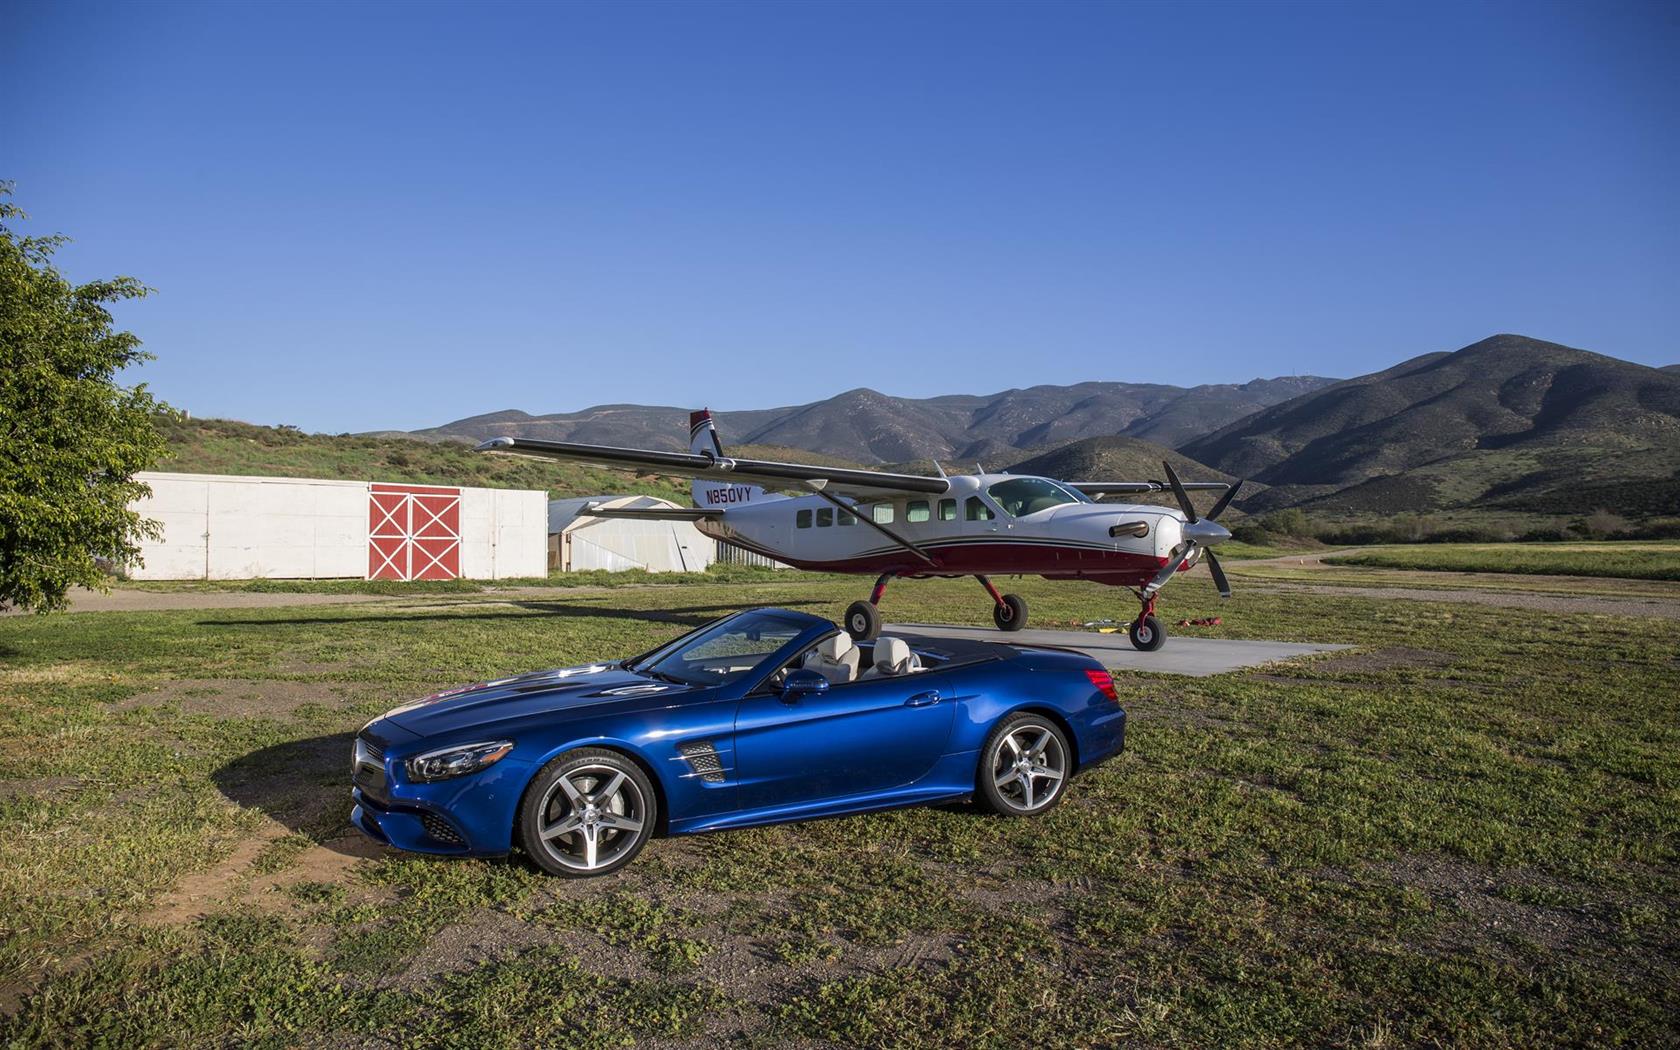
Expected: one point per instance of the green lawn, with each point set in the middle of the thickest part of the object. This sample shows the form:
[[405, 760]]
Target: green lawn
[[1628, 559], [1463, 834]]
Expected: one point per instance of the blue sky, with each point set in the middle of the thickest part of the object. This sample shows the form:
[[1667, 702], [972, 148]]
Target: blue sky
[[370, 216]]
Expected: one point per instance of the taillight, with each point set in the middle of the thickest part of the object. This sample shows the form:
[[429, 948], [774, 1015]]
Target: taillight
[[1105, 682]]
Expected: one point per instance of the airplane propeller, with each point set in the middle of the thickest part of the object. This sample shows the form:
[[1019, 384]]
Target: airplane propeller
[[1203, 531]]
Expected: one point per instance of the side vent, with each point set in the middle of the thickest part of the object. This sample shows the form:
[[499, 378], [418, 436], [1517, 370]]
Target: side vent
[[703, 759]]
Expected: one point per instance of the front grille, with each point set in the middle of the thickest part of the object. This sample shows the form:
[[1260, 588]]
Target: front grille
[[368, 768], [440, 829], [703, 759]]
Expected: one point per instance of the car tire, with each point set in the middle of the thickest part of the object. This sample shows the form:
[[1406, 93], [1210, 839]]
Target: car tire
[[1146, 634], [1011, 787], [1011, 615], [587, 813], [863, 621]]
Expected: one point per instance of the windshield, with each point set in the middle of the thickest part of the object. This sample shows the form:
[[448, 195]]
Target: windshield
[[1019, 496], [722, 652]]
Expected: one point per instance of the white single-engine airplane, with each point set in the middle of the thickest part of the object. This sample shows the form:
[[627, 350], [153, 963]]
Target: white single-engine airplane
[[868, 521]]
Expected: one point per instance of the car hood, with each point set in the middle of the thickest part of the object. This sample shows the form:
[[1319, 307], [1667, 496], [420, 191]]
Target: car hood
[[489, 704]]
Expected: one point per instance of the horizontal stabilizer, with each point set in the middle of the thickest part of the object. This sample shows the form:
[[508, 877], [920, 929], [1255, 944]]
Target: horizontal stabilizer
[[769, 473]]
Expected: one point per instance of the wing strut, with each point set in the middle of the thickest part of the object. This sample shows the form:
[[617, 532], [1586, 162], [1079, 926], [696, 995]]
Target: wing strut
[[817, 487]]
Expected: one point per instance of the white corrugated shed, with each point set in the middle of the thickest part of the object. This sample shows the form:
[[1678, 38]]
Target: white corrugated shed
[[578, 541], [225, 527]]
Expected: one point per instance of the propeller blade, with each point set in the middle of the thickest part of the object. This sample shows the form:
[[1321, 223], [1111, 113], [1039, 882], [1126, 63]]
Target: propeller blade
[[1224, 501], [1219, 579], [1168, 570], [1178, 491]]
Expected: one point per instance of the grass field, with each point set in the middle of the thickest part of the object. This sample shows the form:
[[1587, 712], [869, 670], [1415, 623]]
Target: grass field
[[1464, 833], [1627, 559]]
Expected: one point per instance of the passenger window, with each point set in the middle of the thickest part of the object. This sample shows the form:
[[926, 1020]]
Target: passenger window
[[847, 519], [977, 511], [916, 511], [947, 510], [802, 520], [825, 517], [881, 513]]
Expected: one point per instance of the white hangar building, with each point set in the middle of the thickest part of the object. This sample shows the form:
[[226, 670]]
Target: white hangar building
[[578, 541], [220, 527]]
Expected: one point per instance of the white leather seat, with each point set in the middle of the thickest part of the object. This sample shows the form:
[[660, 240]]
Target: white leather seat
[[836, 659], [893, 657]]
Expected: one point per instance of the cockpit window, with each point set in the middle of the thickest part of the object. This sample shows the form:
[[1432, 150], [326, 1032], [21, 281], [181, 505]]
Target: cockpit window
[[1021, 496]]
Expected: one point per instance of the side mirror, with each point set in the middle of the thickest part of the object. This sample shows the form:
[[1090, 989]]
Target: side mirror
[[801, 682]]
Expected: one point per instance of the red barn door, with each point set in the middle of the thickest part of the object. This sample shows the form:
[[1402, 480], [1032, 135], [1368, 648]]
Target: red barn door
[[414, 533]]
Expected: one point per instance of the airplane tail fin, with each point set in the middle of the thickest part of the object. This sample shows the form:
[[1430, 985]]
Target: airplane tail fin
[[703, 441]]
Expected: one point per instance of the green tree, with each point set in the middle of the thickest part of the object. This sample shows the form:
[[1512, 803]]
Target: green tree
[[71, 436]]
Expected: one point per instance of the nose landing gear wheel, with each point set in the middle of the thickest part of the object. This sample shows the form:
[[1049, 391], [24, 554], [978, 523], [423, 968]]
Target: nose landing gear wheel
[[863, 621], [1011, 615], [1146, 634]]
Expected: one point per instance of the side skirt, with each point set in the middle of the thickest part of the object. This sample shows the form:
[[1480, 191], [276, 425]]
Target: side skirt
[[843, 807]]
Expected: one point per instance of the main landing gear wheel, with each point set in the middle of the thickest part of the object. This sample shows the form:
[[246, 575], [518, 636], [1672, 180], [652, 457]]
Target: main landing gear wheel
[[588, 812], [1146, 634], [1011, 614], [1023, 767], [863, 621]]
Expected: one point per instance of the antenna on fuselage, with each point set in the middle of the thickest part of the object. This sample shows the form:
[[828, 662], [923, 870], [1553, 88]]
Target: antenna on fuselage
[[939, 468]]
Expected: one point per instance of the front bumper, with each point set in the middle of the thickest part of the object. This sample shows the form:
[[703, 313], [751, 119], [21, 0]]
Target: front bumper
[[466, 816]]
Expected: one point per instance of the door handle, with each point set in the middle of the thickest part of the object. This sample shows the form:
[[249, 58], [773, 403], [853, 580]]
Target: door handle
[[923, 699]]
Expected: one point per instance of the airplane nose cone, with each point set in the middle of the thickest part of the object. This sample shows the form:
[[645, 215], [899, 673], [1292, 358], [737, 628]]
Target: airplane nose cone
[[1205, 533]]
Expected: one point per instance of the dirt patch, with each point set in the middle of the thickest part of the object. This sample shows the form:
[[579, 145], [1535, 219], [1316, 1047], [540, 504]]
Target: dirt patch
[[1492, 907], [196, 895], [38, 787], [240, 697], [1377, 661], [487, 936]]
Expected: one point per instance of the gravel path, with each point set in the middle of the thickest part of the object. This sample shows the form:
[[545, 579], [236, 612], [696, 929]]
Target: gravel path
[[153, 601]]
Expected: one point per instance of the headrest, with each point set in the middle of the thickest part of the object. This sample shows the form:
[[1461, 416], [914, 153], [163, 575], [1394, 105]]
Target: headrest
[[835, 648], [893, 655]]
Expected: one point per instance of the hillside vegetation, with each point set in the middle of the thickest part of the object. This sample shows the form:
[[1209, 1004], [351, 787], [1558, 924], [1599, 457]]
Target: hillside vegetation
[[220, 446], [1509, 424], [1123, 459]]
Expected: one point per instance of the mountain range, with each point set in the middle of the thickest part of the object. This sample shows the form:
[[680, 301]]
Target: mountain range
[[871, 427], [1509, 424]]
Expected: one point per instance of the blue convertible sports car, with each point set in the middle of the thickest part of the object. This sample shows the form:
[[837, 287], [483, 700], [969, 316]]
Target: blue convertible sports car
[[761, 717]]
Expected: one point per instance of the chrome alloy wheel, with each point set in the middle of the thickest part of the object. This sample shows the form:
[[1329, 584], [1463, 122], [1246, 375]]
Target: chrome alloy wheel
[[591, 816], [1028, 767]]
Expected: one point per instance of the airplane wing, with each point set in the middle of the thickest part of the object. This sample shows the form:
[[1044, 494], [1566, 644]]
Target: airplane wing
[[1115, 488], [597, 510], [725, 468]]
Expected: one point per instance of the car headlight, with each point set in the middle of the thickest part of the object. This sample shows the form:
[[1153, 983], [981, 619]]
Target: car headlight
[[456, 761]]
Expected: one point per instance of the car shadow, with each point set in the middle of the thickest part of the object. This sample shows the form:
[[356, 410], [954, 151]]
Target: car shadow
[[684, 616], [303, 785]]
